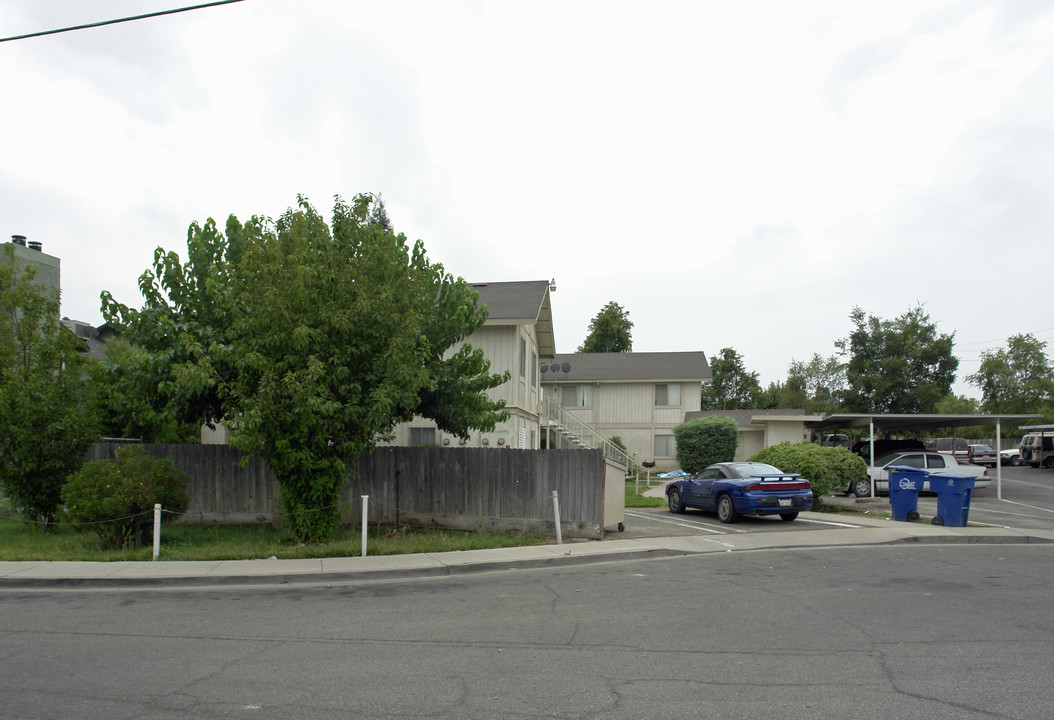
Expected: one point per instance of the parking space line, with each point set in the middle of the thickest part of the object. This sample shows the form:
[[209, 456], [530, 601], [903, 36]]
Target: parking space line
[[693, 526], [827, 522]]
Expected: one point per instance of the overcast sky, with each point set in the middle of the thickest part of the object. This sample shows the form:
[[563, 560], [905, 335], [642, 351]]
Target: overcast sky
[[734, 174]]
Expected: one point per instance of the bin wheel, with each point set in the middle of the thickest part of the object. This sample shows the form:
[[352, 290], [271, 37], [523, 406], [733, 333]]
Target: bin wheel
[[622, 527], [937, 520], [913, 515]]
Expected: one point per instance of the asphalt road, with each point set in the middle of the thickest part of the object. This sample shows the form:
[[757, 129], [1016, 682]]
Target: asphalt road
[[911, 631]]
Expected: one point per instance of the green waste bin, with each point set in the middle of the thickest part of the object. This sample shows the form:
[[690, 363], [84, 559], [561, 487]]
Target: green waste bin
[[953, 498], [905, 484]]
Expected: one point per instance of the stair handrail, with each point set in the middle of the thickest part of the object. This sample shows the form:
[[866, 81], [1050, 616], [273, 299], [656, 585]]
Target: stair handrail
[[556, 411]]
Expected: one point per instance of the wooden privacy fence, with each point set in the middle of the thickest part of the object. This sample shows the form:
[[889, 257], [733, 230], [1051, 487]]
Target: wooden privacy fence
[[459, 488]]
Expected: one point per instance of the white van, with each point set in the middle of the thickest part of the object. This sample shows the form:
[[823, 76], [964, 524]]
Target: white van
[[1037, 448]]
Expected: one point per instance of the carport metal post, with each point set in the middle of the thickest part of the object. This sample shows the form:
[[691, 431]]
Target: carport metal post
[[871, 435], [998, 460]]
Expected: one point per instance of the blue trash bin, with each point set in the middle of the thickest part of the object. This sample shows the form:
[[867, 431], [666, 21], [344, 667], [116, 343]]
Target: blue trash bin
[[953, 498], [905, 483]]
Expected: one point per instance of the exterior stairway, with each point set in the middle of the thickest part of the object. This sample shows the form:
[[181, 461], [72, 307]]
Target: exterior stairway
[[574, 432]]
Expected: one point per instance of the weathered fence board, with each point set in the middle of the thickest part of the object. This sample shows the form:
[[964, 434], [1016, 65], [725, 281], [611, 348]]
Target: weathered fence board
[[461, 488]]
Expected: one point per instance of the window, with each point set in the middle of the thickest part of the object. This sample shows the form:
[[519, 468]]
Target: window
[[915, 461], [576, 395], [534, 369], [420, 437], [665, 446], [668, 394], [523, 357], [935, 461]]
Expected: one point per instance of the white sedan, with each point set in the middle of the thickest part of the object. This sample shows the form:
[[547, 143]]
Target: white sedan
[[933, 462]]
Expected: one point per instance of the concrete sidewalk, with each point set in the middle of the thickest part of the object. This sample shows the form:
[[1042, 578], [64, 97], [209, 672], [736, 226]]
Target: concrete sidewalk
[[858, 531]]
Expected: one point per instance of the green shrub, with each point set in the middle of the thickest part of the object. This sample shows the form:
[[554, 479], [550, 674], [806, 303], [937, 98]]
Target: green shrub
[[704, 441], [117, 496], [829, 469]]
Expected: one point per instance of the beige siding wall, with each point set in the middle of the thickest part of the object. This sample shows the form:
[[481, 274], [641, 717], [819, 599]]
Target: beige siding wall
[[501, 344], [750, 443], [628, 410], [792, 432]]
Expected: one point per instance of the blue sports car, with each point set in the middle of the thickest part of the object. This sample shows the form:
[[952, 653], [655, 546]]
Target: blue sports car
[[741, 488]]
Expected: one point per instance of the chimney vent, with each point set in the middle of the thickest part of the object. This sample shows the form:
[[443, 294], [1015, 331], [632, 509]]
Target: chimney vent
[[36, 245], [19, 240]]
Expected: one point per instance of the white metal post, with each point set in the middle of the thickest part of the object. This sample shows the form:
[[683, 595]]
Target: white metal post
[[556, 514], [365, 504], [157, 530], [872, 450], [998, 460]]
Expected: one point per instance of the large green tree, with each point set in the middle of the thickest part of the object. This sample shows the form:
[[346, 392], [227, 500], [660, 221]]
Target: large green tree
[[317, 340], [733, 387], [902, 365], [609, 331], [137, 398], [819, 384], [1016, 379], [47, 412]]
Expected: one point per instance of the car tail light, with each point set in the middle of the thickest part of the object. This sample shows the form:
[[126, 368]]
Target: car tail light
[[778, 486]]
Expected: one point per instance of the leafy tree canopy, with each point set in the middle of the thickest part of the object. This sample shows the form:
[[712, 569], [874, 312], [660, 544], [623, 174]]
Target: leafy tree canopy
[[732, 386], [819, 383], [47, 413], [313, 341], [1016, 379], [897, 366], [609, 331]]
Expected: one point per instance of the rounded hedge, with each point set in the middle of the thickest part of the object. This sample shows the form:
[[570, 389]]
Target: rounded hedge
[[115, 496], [829, 469], [705, 441]]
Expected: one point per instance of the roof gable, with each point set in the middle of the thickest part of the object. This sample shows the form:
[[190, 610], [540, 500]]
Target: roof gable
[[521, 303]]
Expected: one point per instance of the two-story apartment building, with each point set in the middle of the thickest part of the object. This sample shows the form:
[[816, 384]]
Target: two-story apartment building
[[518, 337], [637, 397]]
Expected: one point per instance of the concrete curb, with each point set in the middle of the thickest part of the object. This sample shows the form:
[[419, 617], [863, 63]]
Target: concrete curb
[[244, 573]]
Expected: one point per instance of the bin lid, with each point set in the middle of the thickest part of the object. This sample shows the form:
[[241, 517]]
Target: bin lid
[[952, 476], [907, 469]]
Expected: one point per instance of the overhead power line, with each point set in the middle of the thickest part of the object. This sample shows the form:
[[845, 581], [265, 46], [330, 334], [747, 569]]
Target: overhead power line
[[119, 20]]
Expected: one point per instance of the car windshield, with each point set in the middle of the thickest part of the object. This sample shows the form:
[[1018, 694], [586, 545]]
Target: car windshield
[[981, 448], [746, 469]]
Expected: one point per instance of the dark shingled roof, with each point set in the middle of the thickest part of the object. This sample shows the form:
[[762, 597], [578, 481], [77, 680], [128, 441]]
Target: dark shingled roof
[[641, 366], [742, 417], [526, 302]]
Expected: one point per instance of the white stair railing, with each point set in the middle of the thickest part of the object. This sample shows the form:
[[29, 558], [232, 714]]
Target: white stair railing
[[579, 433]]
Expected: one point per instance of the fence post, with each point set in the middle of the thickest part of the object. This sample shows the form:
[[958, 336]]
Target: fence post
[[556, 513], [157, 530], [365, 503]]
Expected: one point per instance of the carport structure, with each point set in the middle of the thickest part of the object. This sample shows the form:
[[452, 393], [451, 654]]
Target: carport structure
[[894, 422]]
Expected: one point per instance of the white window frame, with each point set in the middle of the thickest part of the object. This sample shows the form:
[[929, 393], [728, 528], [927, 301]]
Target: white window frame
[[667, 393], [668, 440], [583, 396]]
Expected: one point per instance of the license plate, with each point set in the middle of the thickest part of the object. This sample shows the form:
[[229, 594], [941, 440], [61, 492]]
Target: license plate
[[785, 502]]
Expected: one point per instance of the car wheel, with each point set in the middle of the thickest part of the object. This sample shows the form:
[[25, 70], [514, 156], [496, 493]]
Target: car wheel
[[726, 511], [1048, 462], [1015, 460], [788, 517], [676, 505], [861, 488]]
